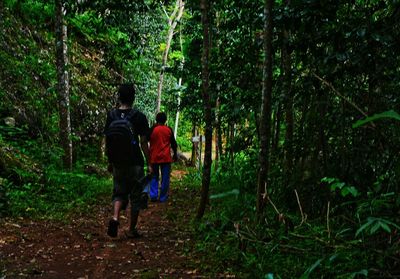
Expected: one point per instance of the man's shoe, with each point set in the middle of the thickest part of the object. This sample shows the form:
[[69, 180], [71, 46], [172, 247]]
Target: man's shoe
[[133, 234], [113, 228]]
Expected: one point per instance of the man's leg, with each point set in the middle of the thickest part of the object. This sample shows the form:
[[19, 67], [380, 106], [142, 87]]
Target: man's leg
[[135, 198], [113, 224], [117, 209], [133, 233], [165, 172], [154, 182], [120, 197]]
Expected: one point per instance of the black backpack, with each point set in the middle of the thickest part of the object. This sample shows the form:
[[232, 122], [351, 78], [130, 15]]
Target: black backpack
[[120, 138]]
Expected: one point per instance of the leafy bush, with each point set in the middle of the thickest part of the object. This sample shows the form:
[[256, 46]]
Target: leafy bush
[[61, 193]]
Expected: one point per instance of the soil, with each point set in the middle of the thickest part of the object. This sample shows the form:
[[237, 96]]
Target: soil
[[80, 247]]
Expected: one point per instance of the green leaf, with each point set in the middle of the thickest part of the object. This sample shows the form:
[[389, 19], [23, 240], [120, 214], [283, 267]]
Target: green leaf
[[361, 272], [385, 227], [333, 257], [352, 190], [337, 185], [386, 114], [375, 227], [307, 273], [364, 226], [345, 191], [328, 180]]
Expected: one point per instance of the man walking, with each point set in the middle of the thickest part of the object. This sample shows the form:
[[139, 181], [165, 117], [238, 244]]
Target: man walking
[[126, 133], [162, 140]]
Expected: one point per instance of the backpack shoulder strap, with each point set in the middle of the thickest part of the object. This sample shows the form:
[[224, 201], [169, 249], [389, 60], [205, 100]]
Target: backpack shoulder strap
[[132, 113], [114, 114]]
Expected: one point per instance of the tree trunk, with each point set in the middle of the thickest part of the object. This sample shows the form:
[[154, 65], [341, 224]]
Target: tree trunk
[[194, 146], [217, 137], [1, 11], [277, 129], [63, 83], [172, 22], [217, 134], [265, 117], [231, 142], [289, 119], [179, 92], [207, 109], [177, 110]]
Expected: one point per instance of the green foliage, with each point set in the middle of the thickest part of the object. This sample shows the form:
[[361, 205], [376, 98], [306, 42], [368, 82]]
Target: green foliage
[[343, 187], [61, 193], [4, 203], [232, 235], [387, 114], [34, 11], [29, 189], [184, 134], [373, 225]]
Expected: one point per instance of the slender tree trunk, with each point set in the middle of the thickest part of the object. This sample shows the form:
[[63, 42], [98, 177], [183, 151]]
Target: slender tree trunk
[[265, 118], [1, 10], [277, 129], [177, 110], [289, 119], [207, 109], [220, 143], [172, 22], [217, 137], [322, 143], [217, 133], [232, 142], [179, 92], [63, 83], [194, 146]]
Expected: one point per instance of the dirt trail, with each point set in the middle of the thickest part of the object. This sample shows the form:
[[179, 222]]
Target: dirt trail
[[81, 249]]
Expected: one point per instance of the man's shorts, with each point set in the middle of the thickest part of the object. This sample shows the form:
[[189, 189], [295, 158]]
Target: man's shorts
[[127, 186]]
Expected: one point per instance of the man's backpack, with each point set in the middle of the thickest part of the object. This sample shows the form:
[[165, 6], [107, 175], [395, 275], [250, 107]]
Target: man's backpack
[[120, 138]]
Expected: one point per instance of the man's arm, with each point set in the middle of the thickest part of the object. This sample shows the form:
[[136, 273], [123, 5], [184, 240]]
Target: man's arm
[[145, 148]]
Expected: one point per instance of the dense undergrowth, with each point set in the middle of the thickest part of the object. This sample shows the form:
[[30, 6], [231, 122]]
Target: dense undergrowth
[[61, 194], [352, 237], [33, 183]]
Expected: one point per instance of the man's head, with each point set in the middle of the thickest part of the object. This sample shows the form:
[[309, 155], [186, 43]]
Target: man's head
[[161, 118], [126, 94]]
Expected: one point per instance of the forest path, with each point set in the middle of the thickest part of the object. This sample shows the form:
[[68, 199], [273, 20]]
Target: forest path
[[81, 248]]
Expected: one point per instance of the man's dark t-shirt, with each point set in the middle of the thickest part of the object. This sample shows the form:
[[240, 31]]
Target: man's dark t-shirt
[[141, 128]]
